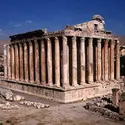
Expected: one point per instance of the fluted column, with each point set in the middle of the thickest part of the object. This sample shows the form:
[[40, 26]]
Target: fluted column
[[99, 60], [57, 62], [112, 60], [65, 70], [82, 60], [21, 62], [26, 62], [31, 61], [106, 60], [117, 60], [49, 61], [43, 62], [13, 62], [37, 69], [74, 61], [9, 62], [17, 61], [90, 60], [5, 61]]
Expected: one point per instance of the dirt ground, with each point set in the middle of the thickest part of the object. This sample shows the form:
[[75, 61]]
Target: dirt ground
[[56, 114]]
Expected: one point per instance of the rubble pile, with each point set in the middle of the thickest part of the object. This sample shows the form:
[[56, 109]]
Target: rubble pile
[[34, 104], [104, 106]]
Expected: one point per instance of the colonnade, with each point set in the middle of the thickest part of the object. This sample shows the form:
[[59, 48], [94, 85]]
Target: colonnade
[[62, 61]]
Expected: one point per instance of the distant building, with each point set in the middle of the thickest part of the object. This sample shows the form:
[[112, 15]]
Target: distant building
[[68, 65]]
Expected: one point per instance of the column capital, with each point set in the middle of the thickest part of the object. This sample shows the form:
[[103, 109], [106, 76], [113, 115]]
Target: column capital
[[74, 38], [117, 41], [64, 38], [56, 38], [82, 39], [99, 40]]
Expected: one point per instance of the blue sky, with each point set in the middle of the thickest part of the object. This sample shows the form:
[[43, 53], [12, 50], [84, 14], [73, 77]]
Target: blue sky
[[17, 16]]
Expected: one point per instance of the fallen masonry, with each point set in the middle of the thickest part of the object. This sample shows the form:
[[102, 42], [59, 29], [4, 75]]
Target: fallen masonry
[[112, 106], [34, 104]]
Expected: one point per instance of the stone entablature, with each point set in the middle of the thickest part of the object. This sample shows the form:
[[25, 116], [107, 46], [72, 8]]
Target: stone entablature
[[64, 59]]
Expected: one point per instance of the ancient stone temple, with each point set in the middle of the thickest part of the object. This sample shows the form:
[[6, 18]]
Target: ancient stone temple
[[78, 62]]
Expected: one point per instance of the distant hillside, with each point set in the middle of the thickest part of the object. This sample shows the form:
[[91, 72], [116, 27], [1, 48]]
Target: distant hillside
[[2, 42]]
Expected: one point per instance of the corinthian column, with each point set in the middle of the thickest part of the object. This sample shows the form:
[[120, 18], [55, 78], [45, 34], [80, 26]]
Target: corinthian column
[[31, 62], [37, 68], [82, 60], [99, 59], [106, 60], [112, 60], [5, 61], [49, 61], [65, 70], [13, 62], [21, 62], [90, 60], [17, 62], [117, 60], [26, 62], [9, 62], [74, 61], [43, 62], [57, 62]]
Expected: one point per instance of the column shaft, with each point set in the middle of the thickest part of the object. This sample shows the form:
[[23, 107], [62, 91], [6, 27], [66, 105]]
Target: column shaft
[[5, 61], [9, 62], [26, 62], [112, 60], [31, 62], [65, 70], [17, 62], [117, 60], [82, 60], [106, 60], [21, 62], [74, 61], [43, 62], [49, 61], [90, 60], [57, 62], [37, 68], [13, 62], [99, 60]]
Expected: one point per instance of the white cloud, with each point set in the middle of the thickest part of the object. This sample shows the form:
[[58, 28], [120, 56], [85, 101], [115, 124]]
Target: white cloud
[[17, 25], [29, 21]]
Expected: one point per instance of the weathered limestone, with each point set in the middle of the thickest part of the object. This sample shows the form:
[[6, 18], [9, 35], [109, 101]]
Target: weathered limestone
[[43, 62], [57, 62], [5, 61], [17, 62], [26, 62], [31, 62], [65, 70], [13, 62], [82, 60], [74, 61], [99, 60], [90, 60], [9, 62], [115, 96], [106, 60], [103, 62], [37, 70], [49, 61], [21, 62], [112, 60], [117, 60]]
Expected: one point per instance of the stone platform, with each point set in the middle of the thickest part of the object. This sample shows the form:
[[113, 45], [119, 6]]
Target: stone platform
[[71, 94]]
